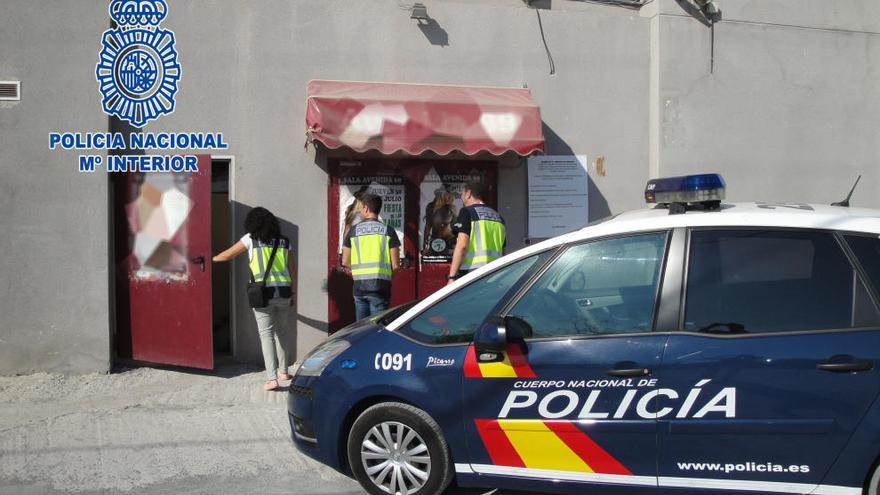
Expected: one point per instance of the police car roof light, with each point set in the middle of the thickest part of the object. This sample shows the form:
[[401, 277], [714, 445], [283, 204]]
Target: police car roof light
[[705, 190]]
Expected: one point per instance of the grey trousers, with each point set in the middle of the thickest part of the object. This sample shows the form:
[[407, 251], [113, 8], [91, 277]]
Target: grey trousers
[[272, 323]]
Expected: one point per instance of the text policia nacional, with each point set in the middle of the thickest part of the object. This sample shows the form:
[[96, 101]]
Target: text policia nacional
[[148, 141]]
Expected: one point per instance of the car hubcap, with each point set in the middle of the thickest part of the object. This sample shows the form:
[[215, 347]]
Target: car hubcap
[[395, 458]]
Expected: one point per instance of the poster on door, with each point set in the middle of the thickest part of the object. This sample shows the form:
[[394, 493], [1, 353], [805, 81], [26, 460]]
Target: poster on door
[[389, 187], [439, 204]]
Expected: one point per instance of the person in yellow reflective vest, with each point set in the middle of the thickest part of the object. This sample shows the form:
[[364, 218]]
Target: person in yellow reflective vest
[[480, 233], [371, 250], [263, 234]]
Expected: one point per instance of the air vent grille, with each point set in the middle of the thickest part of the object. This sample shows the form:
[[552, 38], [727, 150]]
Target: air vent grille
[[10, 90]]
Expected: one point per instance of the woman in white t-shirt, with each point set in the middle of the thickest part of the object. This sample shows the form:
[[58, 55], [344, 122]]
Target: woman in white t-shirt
[[263, 236]]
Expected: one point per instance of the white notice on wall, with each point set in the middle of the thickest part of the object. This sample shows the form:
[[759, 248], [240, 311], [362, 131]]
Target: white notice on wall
[[557, 195]]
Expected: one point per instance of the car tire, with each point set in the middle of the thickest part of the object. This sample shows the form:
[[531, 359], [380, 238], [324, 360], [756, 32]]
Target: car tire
[[392, 443], [873, 487]]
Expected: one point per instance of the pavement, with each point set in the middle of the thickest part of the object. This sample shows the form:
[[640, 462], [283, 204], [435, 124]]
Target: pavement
[[154, 431]]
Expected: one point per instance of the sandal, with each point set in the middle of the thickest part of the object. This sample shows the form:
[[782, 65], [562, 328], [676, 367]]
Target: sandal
[[270, 385], [283, 376]]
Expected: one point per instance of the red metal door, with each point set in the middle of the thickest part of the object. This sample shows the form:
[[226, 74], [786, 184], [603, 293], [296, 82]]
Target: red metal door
[[386, 178], [165, 267]]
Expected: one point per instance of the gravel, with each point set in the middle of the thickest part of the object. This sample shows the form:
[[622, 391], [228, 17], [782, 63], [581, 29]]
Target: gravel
[[157, 432], [148, 430]]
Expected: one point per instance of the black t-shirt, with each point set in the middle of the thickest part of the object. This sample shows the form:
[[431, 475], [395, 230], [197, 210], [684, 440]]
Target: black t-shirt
[[364, 287], [468, 214]]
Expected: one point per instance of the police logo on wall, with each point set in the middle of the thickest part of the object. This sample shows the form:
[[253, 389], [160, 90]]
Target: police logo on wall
[[138, 69]]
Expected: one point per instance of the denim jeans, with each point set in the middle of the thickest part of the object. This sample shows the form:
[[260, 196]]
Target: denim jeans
[[272, 323], [369, 305]]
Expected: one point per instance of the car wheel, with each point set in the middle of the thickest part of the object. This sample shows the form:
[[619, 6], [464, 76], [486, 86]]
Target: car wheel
[[395, 448]]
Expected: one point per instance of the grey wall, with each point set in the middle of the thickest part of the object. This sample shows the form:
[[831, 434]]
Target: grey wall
[[54, 313], [790, 112], [793, 94], [246, 71]]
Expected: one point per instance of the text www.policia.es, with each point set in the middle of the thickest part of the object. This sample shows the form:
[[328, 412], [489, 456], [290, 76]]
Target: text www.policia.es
[[743, 467]]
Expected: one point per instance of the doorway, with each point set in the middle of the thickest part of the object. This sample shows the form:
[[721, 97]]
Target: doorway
[[420, 200], [221, 237]]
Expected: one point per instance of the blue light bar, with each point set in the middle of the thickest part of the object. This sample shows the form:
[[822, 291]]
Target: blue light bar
[[685, 189]]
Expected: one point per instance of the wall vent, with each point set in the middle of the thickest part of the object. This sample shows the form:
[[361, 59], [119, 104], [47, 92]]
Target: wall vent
[[10, 90]]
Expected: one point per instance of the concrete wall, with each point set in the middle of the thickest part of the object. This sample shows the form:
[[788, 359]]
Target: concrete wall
[[792, 94], [54, 313], [246, 70], [792, 109]]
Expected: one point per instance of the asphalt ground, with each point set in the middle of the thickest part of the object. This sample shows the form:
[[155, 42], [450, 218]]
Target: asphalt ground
[[155, 431]]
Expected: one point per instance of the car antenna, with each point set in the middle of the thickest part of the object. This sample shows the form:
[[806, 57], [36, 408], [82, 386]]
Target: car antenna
[[845, 202]]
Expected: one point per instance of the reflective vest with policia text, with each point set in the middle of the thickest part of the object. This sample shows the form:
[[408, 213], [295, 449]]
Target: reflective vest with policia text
[[370, 254], [279, 276], [486, 239]]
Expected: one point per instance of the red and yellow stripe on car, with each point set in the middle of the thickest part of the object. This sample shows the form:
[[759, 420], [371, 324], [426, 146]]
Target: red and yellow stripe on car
[[514, 365], [542, 444]]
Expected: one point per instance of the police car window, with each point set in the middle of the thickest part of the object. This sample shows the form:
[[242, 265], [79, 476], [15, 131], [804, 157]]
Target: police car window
[[758, 281], [867, 250], [455, 319], [602, 287]]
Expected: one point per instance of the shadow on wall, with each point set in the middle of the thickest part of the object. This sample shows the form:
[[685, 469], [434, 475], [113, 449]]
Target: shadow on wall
[[247, 337], [434, 32], [540, 4], [120, 308], [340, 288], [698, 14], [555, 145], [339, 284]]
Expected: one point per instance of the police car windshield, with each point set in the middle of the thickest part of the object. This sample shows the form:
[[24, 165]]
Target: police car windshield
[[395, 312], [455, 318]]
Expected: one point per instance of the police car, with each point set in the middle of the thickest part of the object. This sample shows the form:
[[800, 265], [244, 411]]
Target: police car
[[694, 347]]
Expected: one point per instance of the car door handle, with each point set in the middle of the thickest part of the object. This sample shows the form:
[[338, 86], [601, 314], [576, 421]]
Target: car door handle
[[629, 372], [845, 367]]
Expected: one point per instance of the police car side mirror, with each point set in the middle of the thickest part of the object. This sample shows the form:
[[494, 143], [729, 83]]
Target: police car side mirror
[[517, 328], [491, 339]]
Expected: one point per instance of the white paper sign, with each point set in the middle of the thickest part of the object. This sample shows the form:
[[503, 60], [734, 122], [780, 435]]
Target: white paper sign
[[557, 195]]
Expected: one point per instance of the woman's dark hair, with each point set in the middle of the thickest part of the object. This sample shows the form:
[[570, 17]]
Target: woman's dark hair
[[262, 225]]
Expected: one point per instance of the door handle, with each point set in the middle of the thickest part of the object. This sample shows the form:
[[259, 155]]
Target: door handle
[[835, 366], [629, 372], [490, 357], [201, 261]]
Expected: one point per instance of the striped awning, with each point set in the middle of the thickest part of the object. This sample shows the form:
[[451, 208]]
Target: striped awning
[[416, 118]]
